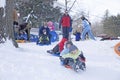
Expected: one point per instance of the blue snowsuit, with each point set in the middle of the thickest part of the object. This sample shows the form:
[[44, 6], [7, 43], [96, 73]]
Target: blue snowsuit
[[86, 29]]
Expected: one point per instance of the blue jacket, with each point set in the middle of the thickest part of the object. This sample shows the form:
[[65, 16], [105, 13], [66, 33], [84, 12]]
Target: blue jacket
[[64, 51], [86, 24], [43, 28]]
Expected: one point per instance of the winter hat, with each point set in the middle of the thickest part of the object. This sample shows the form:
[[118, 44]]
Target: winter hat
[[68, 42], [83, 18], [72, 48]]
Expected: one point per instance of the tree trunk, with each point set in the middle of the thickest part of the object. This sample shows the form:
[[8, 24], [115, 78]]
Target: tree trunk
[[2, 30], [9, 21]]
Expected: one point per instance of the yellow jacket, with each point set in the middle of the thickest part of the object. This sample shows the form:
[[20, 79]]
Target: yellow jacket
[[72, 55]]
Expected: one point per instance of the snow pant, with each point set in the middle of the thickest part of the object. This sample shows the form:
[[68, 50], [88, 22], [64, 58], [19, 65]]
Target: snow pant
[[60, 46], [28, 34], [65, 32], [68, 61], [56, 49], [87, 31]]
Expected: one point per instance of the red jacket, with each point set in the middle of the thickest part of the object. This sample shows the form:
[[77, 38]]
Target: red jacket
[[65, 21]]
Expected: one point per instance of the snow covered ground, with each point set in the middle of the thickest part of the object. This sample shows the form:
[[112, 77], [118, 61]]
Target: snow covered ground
[[31, 62]]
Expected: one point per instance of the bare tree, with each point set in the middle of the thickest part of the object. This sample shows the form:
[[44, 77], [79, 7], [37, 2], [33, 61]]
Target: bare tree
[[9, 21], [1, 23]]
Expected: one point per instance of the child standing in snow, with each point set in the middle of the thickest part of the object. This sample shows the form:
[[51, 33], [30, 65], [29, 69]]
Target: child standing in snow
[[74, 59], [86, 29]]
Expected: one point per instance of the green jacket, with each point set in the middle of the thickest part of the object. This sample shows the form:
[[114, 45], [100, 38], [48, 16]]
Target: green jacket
[[72, 55]]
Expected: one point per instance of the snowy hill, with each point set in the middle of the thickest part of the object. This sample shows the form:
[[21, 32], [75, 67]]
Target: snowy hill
[[31, 62]]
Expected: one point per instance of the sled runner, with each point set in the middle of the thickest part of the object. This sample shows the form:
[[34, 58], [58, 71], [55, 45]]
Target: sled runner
[[20, 41], [117, 48]]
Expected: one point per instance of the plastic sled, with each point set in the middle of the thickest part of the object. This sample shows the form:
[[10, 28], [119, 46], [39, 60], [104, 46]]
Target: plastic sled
[[67, 66], [54, 36], [33, 38], [20, 41], [117, 49], [56, 54]]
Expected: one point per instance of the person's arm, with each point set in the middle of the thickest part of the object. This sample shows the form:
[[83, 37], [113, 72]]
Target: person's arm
[[70, 22], [60, 23], [64, 51], [40, 31]]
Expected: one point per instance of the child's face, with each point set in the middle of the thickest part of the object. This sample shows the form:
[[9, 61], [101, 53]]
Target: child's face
[[73, 52], [68, 45], [44, 32]]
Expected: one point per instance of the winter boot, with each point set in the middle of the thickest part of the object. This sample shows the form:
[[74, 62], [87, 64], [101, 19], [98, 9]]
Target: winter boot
[[50, 51]]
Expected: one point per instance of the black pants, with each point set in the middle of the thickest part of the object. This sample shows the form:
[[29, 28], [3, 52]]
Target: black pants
[[28, 34], [65, 32], [56, 49], [68, 61]]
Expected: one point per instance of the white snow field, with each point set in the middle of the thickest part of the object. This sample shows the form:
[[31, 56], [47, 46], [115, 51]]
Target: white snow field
[[32, 62]]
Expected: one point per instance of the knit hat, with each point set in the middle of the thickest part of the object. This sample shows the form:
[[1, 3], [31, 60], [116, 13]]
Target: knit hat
[[72, 48], [68, 42], [83, 18]]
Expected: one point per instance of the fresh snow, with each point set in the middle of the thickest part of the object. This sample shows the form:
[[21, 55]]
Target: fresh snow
[[32, 62]]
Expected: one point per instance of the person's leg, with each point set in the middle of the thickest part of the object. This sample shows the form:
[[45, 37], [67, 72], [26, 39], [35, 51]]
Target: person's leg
[[61, 44], [65, 33], [91, 35], [54, 50], [83, 34], [68, 34], [80, 65], [28, 34], [69, 62]]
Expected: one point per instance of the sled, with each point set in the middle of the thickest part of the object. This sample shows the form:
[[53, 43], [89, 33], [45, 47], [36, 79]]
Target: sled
[[76, 68], [20, 41], [67, 66], [57, 54], [54, 36], [117, 48]]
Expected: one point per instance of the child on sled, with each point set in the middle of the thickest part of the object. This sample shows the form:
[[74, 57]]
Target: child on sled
[[65, 45], [44, 39], [74, 59]]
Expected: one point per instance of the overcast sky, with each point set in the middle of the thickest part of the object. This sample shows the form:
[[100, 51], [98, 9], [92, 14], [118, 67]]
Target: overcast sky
[[2, 3], [95, 8]]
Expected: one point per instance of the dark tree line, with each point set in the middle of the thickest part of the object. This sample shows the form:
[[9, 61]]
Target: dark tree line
[[40, 10], [111, 24]]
